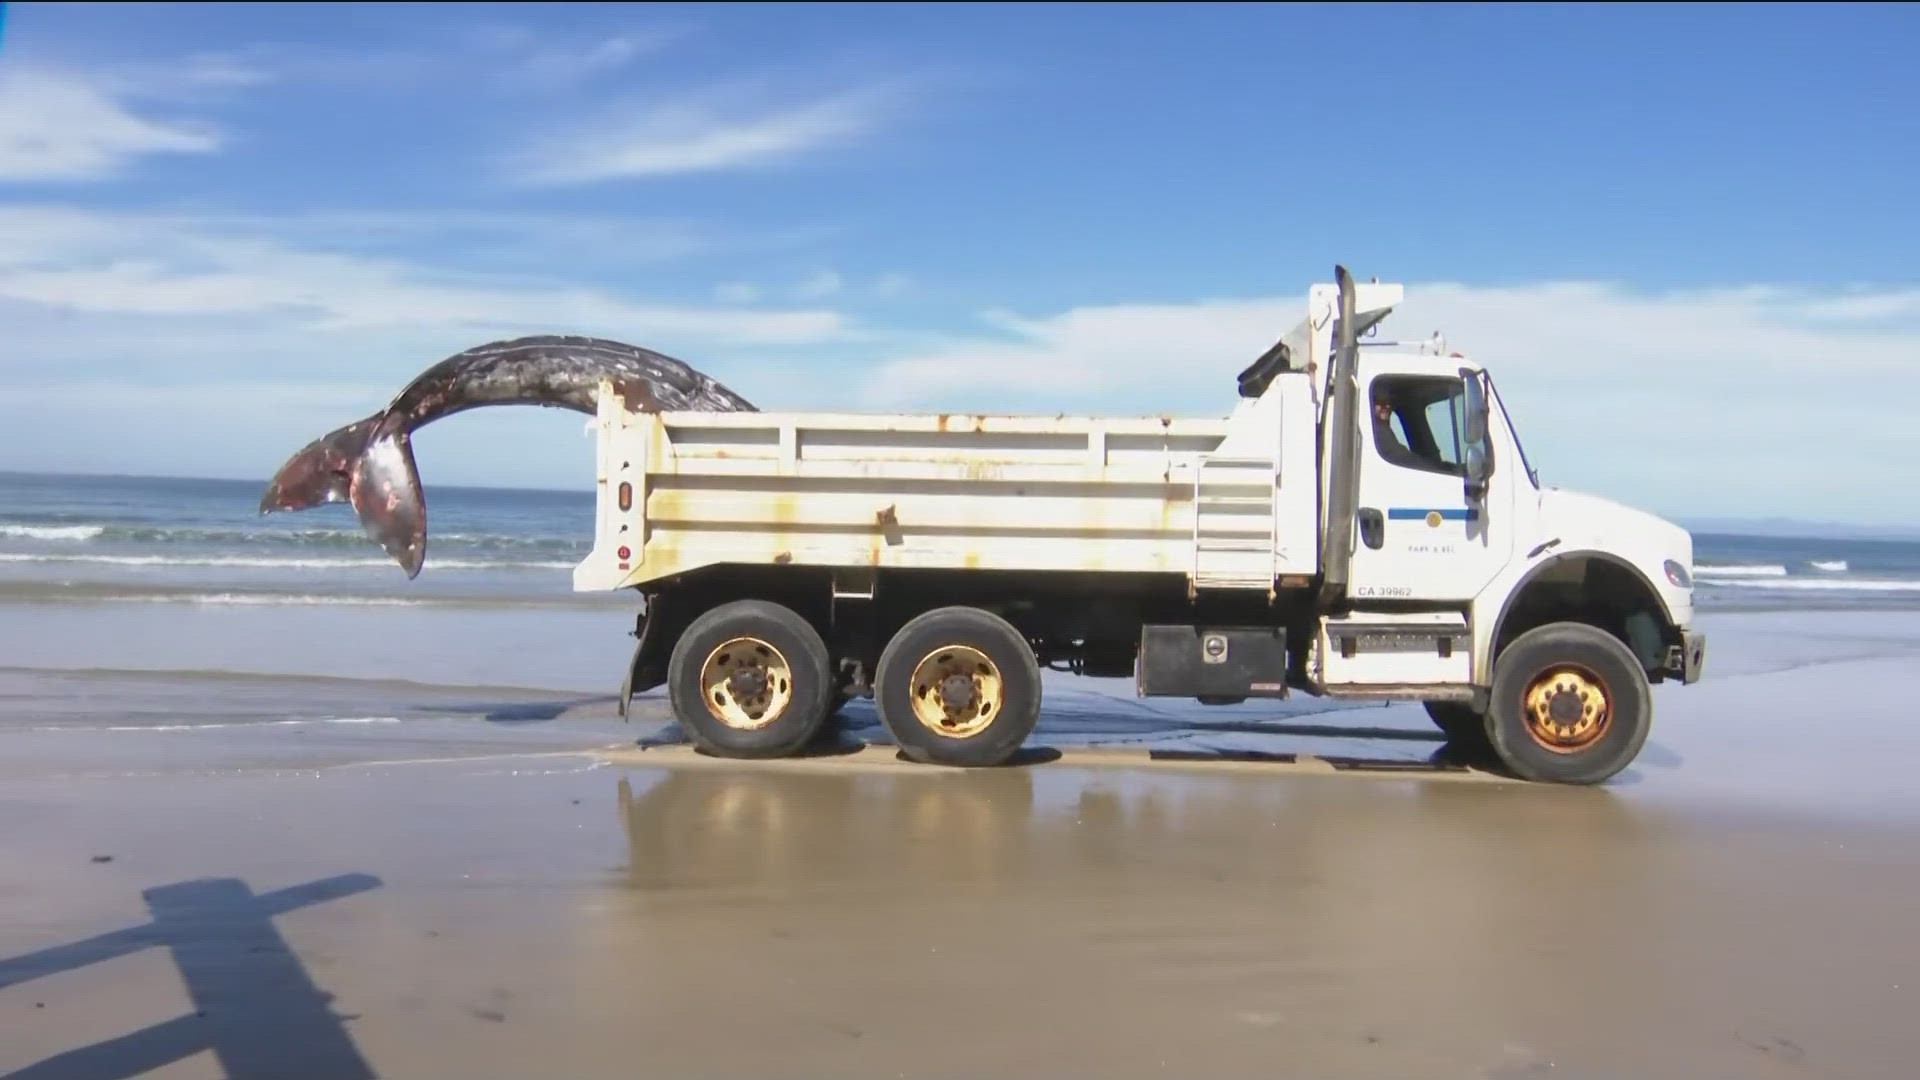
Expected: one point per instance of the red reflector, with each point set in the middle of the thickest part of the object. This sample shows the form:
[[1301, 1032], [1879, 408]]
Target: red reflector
[[625, 552], [626, 495]]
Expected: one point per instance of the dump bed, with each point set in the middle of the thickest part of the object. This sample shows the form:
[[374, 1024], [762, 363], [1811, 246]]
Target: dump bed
[[1208, 498]]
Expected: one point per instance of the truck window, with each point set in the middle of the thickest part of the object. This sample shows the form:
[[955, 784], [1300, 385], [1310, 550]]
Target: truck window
[[1417, 421]]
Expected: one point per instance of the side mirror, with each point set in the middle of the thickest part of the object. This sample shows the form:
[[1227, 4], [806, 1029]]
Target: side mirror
[[1479, 466], [1478, 469], [1475, 434]]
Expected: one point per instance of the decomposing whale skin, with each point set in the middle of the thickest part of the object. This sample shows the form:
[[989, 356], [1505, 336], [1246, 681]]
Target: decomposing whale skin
[[369, 462]]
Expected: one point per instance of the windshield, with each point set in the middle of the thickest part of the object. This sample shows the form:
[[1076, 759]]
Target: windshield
[[1513, 431]]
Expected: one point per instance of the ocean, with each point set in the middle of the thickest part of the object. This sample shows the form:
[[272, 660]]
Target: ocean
[[116, 539], [69, 539]]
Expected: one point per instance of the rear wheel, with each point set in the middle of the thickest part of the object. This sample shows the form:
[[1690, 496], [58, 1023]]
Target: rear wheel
[[958, 686], [750, 679], [1570, 705]]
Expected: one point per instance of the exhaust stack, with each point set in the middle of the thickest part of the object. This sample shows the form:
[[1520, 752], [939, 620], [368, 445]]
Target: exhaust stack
[[1343, 463]]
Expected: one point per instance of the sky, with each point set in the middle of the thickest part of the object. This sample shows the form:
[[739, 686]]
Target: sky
[[1684, 239]]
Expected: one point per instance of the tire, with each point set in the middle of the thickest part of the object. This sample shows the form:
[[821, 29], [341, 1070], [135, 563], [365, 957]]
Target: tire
[[1594, 745], [1002, 705], [721, 718]]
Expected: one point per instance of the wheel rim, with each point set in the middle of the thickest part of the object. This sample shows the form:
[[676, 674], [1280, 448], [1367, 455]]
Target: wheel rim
[[957, 691], [746, 683], [1567, 709]]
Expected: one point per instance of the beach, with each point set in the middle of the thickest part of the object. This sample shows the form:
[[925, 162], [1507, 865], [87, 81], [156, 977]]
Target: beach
[[388, 391], [292, 820], [312, 872]]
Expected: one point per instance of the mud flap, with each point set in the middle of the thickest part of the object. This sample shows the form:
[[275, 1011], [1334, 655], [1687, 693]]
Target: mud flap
[[647, 632], [626, 684]]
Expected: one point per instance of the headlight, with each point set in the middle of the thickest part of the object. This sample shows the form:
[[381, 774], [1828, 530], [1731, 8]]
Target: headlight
[[1678, 575]]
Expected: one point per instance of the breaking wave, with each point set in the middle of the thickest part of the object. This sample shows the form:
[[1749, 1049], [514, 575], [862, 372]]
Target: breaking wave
[[268, 563], [51, 532], [1830, 566], [317, 538], [1774, 571], [1827, 584]]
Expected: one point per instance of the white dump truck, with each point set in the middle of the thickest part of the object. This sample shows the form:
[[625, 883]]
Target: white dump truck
[[1362, 524]]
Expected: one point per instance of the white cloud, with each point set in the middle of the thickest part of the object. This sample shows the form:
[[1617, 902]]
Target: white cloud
[[693, 133], [1865, 305], [176, 268], [212, 70], [214, 399], [1093, 356], [560, 63], [1575, 335], [891, 284], [60, 125], [820, 284], [220, 346], [1582, 335], [1702, 401], [481, 60], [735, 292]]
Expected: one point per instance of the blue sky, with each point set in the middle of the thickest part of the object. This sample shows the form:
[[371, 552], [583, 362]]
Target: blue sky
[[1683, 237]]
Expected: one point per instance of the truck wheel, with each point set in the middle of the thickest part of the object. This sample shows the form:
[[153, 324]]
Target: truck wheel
[[1570, 705], [958, 686], [750, 679]]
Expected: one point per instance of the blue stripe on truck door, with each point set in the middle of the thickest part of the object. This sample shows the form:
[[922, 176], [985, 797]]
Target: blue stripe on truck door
[[1419, 513]]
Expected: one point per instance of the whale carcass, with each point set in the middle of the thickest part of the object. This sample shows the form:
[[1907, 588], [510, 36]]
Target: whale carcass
[[369, 463]]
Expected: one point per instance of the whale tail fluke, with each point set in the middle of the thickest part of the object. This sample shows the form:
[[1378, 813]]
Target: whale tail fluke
[[371, 469], [321, 471], [386, 494]]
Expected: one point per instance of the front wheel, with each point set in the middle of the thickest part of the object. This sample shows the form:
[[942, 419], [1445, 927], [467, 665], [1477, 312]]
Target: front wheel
[[958, 686], [1570, 705]]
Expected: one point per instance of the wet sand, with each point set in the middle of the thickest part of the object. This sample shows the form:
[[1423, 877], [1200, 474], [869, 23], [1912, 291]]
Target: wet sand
[[347, 878]]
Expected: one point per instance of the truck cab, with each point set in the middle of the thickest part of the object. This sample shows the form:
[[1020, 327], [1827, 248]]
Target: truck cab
[[1458, 552]]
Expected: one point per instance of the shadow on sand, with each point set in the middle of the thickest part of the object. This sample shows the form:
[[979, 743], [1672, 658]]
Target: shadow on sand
[[255, 1006], [859, 728]]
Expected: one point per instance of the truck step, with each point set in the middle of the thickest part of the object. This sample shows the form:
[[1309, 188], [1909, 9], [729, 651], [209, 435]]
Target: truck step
[[1222, 581]]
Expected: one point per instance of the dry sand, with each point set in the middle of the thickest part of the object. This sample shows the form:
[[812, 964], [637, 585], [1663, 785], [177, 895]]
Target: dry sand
[[471, 898]]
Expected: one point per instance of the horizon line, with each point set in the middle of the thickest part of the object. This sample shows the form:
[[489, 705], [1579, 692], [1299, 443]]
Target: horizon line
[[248, 480], [1705, 523]]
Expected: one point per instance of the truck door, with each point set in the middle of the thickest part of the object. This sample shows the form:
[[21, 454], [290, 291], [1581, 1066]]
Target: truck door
[[1424, 532]]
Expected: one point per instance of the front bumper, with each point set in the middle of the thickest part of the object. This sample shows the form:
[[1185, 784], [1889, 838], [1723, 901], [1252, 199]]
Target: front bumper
[[1687, 658]]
